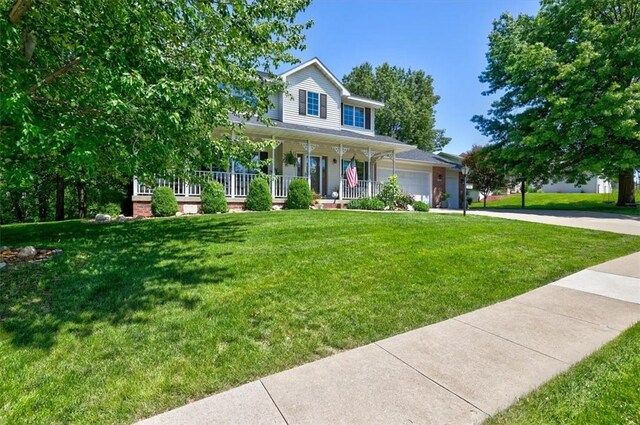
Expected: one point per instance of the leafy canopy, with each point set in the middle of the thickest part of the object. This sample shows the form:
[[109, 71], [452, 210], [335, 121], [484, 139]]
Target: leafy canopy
[[568, 82], [485, 176], [409, 111], [114, 86]]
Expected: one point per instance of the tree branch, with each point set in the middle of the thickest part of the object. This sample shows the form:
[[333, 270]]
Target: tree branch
[[55, 74], [20, 7]]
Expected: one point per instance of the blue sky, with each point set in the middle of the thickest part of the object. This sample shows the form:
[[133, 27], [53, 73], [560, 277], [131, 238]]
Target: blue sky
[[445, 38]]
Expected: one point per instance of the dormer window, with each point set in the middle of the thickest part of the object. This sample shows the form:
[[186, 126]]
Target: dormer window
[[313, 103], [353, 116]]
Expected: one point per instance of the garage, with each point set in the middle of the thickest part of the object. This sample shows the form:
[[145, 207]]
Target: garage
[[418, 183]]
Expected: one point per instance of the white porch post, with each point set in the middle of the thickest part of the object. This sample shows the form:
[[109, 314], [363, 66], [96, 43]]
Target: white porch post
[[135, 186], [233, 178], [394, 162], [185, 186], [341, 189], [273, 171], [369, 172], [309, 163]]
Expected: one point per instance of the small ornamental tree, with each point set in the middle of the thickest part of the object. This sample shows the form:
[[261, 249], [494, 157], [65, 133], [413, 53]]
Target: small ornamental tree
[[163, 202], [299, 195], [212, 198], [484, 175], [259, 197]]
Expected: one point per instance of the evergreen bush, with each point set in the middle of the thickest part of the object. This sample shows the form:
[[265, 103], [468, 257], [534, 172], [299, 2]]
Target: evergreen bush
[[259, 197], [163, 202], [420, 206], [212, 198], [299, 195]]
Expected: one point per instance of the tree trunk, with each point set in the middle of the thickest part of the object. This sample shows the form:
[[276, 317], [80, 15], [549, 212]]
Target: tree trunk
[[484, 198], [81, 188], [59, 198], [15, 200], [43, 204], [626, 192], [523, 189]]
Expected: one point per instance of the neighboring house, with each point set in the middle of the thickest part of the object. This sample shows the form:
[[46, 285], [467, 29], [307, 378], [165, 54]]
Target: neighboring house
[[322, 125], [594, 185]]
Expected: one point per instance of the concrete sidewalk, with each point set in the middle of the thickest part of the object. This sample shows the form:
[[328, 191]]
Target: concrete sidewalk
[[459, 371], [608, 222]]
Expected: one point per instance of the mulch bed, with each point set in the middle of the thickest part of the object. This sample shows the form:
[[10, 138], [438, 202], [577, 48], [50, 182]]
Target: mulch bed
[[10, 256]]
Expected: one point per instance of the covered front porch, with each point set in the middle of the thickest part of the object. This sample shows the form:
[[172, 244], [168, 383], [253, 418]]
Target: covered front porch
[[322, 165]]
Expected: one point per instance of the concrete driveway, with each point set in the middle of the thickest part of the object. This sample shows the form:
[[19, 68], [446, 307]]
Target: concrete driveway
[[616, 223]]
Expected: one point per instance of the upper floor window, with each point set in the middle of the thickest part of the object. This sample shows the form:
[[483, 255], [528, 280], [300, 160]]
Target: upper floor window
[[353, 116], [313, 103]]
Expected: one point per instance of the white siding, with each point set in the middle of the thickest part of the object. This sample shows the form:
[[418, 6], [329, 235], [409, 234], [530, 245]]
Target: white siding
[[452, 186], [311, 79], [275, 112]]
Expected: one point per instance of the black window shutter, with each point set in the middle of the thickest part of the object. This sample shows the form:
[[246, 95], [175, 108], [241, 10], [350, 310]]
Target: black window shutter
[[323, 106], [341, 113], [367, 118], [302, 102]]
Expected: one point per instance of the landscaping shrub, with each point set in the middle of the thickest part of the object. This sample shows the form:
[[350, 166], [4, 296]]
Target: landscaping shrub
[[391, 192], [163, 202], [110, 208], [299, 196], [259, 197], [366, 204], [212, 198], [420, 206], [404, 200]]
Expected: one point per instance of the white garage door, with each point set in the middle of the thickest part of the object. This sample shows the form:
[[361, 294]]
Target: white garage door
[[418, 183], [451, 187]]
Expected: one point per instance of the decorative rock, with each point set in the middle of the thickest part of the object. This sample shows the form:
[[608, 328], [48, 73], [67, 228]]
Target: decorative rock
[[179, 213], [27, 252], [410, 208], [101, 218], [2, 264], [121, 218], [4, 248], [276, 207]]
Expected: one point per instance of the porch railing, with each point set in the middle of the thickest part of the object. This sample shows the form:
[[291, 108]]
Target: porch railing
[[363, 189], [236, 185]]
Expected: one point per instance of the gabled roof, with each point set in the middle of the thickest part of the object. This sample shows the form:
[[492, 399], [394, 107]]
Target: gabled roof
[[334, 80], [323, 69]]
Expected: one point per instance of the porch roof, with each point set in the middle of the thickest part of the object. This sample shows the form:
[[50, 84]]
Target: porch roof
[[318, 134]]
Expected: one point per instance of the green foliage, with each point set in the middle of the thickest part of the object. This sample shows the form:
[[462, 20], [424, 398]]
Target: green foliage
[[391, 192], [444, 196], [299, 195], [212, 198], [421, 206], [404, 200], [120, 89], [409, 111], [111, 209], [366, 204], [485, 175], [163, 202], [259, 197], [569, 93]]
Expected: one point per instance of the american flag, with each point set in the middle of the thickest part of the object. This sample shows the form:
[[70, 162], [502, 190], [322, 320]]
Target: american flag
[[352, 173]]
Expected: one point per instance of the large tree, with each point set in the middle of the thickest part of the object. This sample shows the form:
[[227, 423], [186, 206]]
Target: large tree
[[569, 86], [133, 88], [409, 111]]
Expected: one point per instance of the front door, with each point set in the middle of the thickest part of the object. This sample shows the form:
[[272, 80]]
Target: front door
[[315, 171]]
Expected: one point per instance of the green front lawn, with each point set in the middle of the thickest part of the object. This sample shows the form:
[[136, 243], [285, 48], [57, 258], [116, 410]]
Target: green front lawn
[[136, 318], [603, 389], [600, 202]]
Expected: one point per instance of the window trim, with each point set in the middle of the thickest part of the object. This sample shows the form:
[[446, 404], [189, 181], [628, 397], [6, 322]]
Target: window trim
[[309, 93]]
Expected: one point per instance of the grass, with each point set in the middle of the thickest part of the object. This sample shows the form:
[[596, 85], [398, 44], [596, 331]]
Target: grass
[[603, 389], [599, 202], [136, 318]]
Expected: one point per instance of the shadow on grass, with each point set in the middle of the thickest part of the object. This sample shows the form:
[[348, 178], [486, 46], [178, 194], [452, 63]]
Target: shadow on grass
[[109, 273]]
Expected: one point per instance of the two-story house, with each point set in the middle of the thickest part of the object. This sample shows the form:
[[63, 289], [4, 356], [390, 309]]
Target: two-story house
[[319, 126]]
